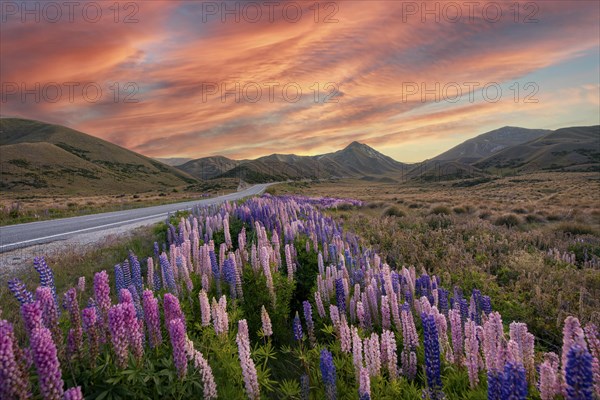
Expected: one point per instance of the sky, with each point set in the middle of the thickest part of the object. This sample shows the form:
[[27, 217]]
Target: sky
[[246, 79]]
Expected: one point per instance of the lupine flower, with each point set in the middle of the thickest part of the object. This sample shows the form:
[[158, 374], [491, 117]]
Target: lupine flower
[[167, 273], [230, 276], [345, 335], [410, 342], [357, 352], [76, 332], [593, 339], [136, 273], [372, 352], [74, 394], [102, 295], [319, 303], [172, 308], [118, 333], [81, 285], [13, 380], [43, 351], [152, 317], [134, 331], [385, 313], [178, 337], [150, 273], [328, 374], [334, 314], [457, 337], [46, 276], [204, 307], [266, 322], [548, 381], [579, 375], [215, 270], [432, 356], [340, 295], [32, 316], [220, 316], [388, 353], [364, 386], [119, 278], [209, 387], [89, 318], [298, 335], [17, 287], [472, 352], [304, 383], [247, 364], [514, 382], [310, 325]]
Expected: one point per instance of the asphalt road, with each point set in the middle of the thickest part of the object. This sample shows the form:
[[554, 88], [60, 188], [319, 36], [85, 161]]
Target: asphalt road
[[33, 233]]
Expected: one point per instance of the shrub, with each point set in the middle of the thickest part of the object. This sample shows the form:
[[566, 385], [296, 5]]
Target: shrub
[[575, 228], [345, 207], [508, 220], [414, 205], [533, 218], [519, 210], [437, 210], [393, 211], [459, 210], [485, 214]]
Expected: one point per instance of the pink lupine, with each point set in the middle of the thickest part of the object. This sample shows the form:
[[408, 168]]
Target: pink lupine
[[593, 340], [204, 307], [289, 263], [526, 341], [357, 351], [134, 331], [32, 316], [364, 384], [178, 336], [152, 317], [172, 308], [81, 284], [118, 333], [150, 280], [44, 295], [13, 379], [388, 353], [319, 303], [457, 336], [572, 335], [246, 362], [410, 342], [209, 387], [266, 322], [74, 394], [385, 313], [548, 384], [102, 297], [372, 354], [43, 351], [75, 337], [334, 314], [360, 315], [472, 352], [345, 335]]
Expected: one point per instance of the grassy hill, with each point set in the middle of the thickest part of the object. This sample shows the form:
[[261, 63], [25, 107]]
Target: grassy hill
[[41, 157]]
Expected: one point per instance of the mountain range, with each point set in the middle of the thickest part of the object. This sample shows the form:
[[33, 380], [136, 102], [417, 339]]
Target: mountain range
[[37, 156]]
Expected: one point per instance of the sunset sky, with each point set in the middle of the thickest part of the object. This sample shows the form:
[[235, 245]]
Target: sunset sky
[[373, 55]]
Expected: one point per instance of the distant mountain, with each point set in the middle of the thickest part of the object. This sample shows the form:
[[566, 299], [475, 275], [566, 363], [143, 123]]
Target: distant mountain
[[59, 160], [569, 149], [486, 144], [356, 160], [173, 162]]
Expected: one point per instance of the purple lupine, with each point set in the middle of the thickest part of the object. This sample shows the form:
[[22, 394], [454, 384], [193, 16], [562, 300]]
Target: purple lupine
[[319, 304], [75, 333], [172, 308], [18, 289], [136, 273], [267, 328], [126, 273], [310, 325], [74, 394], [298, 334], [514, 382], [432, 356], [43, 351], [340, 295], [345, 335], [334, 314], [204, 307], [328, 374], [572, 335], [152, 317], [89, 319], [457, 337], [167, 273], [46, 276], [357, 352], [32, 316], [385, 313], [388, 353], [134, 331], [246, 362], [118, 333], [150, 273], [579, 375], [472, 352], [102, 295], [178, 342], [214, 265], [81, 284], [548, 380], [119, 278], [229, 276], [593, 339], [410, 342], [13, 379], [372, 352], [364, 385]]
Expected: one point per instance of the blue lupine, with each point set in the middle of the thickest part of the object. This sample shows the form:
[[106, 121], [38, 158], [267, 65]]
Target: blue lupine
[[229, 275], [18, 289], [46, 276], [486, 305], [156, 250], [119, 279], [432, 356], [136, 273], [215, 270], [514, 382], [464, 309], [157, 281], [167, 272], [340, 295], [579, 375], [304, 387], [139, 311], [328, 374], [443, 300], [494, 386], [298, 335], [126, 273]]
